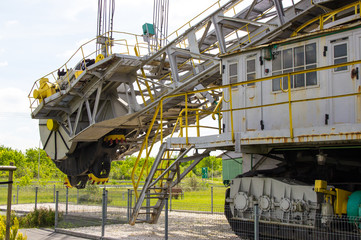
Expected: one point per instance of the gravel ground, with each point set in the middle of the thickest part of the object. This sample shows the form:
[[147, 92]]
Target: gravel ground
[[182, 225]]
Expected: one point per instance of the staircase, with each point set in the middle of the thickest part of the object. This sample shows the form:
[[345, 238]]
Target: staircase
[[164, 174]]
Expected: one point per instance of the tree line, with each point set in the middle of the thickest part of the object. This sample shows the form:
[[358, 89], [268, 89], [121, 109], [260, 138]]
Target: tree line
[[28, 169]]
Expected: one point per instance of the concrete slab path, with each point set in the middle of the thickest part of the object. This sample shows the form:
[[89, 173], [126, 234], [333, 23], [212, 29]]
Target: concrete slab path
[[47, 234]]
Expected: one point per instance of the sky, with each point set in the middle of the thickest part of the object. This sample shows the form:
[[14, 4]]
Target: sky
[[38, 36]]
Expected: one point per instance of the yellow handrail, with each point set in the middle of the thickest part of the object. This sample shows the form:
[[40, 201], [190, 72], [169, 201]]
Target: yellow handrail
[[82, 58], [327, 16], [217, 108], [145, 141]]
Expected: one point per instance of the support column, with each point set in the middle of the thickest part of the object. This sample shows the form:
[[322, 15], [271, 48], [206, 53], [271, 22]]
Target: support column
[[280, 12], [173, 64], [219, 33]]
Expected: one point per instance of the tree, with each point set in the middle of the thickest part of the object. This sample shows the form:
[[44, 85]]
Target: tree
[[27, 165]]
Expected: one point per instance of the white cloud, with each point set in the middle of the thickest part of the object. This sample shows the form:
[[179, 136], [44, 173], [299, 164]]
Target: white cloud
[[87, 49], [14, 100], [17, 129], [3, 63], [19, 134], [11, 23], [77, 6], [65, 54]]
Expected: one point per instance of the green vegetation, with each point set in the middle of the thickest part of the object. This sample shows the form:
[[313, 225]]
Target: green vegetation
[[92, 195], [197, 191], [14, 229], [27, 166], [122, 170], [41, 217]]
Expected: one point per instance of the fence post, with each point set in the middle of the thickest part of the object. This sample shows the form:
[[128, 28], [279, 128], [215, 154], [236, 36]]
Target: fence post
[[8, 208], [104, 211], [147, 216], [170, 200], [54, 193], [256, 222], [128, 202], [212, 199], [66, 201], [166, 220], [17, 194], [36, 197], [14, 198], [56, 209]]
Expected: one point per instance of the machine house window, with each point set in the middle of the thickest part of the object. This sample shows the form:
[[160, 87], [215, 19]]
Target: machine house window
[[233, 72], [340, 56], [251, 71], [295, 59]]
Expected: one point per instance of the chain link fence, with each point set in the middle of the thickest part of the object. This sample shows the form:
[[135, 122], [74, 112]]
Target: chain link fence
[[269, 225], [103, 213], [84, 211]]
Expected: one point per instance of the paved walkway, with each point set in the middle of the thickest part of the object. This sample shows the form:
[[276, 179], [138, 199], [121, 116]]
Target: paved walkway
[[46, 234]]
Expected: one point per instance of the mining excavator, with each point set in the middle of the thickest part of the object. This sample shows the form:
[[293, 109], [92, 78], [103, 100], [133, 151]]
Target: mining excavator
[[279, 84]]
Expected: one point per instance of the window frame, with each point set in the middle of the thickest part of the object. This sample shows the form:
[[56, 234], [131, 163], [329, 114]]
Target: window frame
[[334, 44], [236, 76], [251, 58], [295, 67]]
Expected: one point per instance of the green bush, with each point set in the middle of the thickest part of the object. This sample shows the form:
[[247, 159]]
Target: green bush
[[89, 198], [41, 217], [193, 183], [93, 194], [14, 229]]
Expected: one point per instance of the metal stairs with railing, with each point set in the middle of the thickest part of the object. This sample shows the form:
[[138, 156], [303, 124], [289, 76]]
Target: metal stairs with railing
[[164, 174]]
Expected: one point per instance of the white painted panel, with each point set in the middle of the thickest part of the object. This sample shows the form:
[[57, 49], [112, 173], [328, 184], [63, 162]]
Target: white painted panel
[[342, 109]]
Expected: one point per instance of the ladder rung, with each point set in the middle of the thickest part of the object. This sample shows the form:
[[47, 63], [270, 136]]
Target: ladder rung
[[161, 193], [145, 207], [153, 188], [142, 221], [162, 178], [143, 213]]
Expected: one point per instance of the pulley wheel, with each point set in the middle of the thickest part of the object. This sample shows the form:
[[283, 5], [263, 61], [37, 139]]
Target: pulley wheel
[[56, 142]]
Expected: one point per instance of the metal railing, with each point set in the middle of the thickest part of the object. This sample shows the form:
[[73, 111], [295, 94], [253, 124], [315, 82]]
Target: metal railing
[[200, 213], [259, 225], [329, 17], [121, 43], [158, 117]]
